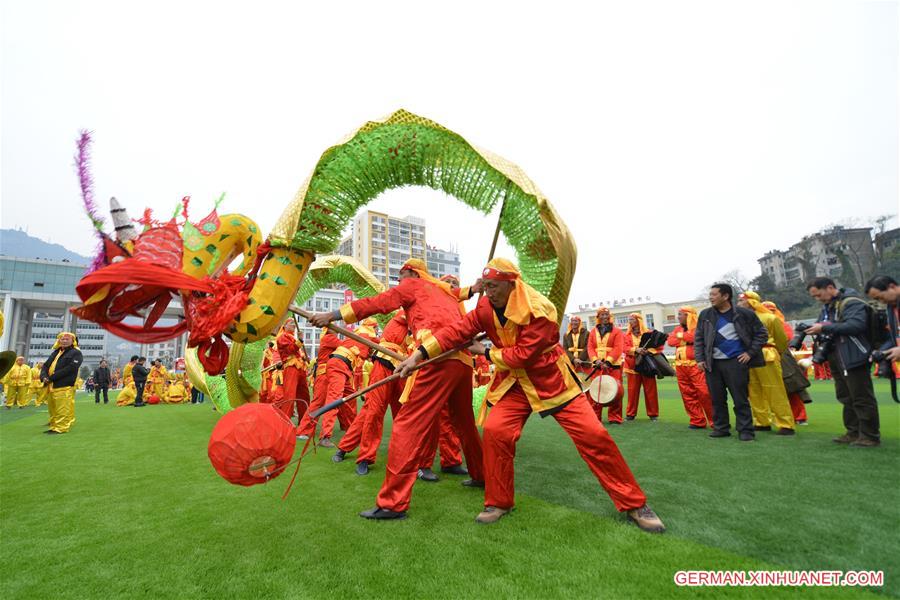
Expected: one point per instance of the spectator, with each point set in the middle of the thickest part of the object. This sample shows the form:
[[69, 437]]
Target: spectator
[[102, 380], [727, 343], [139, 373], [841, 331]]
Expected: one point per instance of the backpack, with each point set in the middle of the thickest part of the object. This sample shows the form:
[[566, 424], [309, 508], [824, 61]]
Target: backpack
[[877, 331]]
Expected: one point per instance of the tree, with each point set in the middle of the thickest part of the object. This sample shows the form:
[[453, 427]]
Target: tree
[[890, 262], [736, 279]]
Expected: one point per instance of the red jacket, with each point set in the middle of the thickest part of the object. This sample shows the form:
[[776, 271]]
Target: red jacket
[[528, 355], [427, 307], [291, 353], [610, 347], [683, 342]]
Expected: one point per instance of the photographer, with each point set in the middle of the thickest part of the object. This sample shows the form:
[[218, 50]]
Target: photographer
[[841, 332], [885, 289]]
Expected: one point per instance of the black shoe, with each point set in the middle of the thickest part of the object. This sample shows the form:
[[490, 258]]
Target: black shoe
[[785, 431], [362, 468], [715, 433], [654, 418], [52, 432], [381, 514], [338, 456], [428, 475], [474, 483], [762, 428], [746, 436], [137, 405], [696, 427], [629, 418], [455, 470]]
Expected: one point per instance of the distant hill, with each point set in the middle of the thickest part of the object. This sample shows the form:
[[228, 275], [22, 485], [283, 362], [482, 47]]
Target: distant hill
[[14, 242]]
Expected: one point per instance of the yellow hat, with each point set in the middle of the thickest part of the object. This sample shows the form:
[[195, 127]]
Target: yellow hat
[[525, 302], [691, 316], [62, 333]]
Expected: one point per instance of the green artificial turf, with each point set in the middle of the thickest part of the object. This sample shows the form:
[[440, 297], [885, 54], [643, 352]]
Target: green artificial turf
[[128, 506]]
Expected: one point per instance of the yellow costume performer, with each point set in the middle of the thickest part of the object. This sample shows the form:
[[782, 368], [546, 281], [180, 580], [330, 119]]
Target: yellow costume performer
[[38, 388], [18, 384], [128, 394], [768, 397], [156, 380], [175, 394], [61, 369]]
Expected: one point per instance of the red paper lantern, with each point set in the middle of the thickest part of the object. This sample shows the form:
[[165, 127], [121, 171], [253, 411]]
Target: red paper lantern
[[252, 444]]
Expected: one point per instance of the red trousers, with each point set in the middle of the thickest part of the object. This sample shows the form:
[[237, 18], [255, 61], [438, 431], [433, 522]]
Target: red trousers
[[340, 385], [443, 435], [294, 388], [333, 384], [695, 394], [504, 427], [822, 370], [797, 407], [614, 409], [368, 426], [635, 382], [446, 382]]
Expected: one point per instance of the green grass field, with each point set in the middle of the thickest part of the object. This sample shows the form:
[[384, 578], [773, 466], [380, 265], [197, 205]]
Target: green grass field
[[128, 506]]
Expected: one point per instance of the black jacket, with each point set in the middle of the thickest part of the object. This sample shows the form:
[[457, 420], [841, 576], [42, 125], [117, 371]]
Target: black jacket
[[848, 322], [101, 376], [749, 328], [581, 342], [67, 366], [140, 372]]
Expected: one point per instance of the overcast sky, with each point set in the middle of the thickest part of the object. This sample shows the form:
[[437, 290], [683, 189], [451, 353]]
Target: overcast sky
[[678, 140]]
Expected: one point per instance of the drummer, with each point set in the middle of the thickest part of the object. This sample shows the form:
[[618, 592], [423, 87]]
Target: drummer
[[606, 349]]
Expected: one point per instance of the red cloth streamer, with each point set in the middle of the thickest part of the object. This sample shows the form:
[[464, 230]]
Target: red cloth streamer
[[210, 305]]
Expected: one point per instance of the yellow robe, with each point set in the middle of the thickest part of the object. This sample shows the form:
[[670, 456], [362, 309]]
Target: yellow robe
[[176, 393], [39, 389], [17, 385], [127, 395], [768, 398], [156, 381]]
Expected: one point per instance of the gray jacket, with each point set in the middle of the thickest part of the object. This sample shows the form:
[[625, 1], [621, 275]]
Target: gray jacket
[[850, 348], [749, 328]]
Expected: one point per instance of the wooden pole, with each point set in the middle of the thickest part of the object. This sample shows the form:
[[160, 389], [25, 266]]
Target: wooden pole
[[344, 331]]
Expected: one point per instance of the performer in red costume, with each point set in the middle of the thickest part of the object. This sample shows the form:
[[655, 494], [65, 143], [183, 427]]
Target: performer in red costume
[[294, 359], [443, 435], [271, 386], [606, 349], [532, 374], [691, 378], [368, 426], [328, 343], [429, 304], [636, 381]]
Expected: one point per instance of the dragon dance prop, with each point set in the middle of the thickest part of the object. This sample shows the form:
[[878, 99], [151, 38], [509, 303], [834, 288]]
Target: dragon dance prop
[[241, 380], [137, 274]]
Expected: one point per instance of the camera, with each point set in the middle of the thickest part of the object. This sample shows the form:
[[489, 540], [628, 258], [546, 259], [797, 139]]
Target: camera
[[821, 342], [878, 356]]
